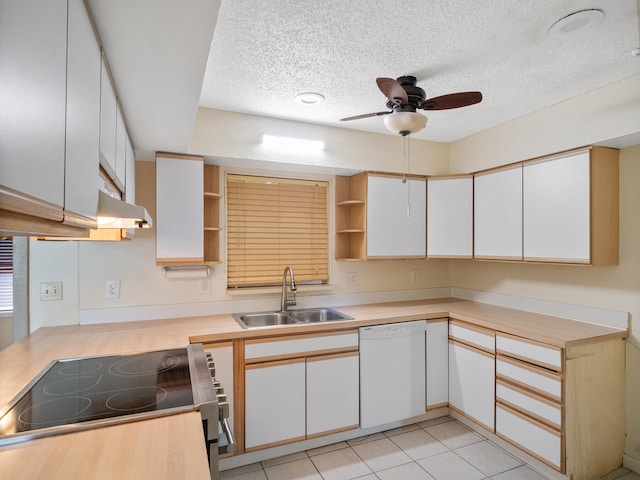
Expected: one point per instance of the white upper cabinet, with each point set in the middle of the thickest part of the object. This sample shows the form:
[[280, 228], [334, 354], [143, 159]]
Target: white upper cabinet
[[450, 217], [130, 173], [571, 204], [557, 209], [497, 218], [396, 217], [83, 115], [121, 150], [33, 39], [179, 210], [108, 120]]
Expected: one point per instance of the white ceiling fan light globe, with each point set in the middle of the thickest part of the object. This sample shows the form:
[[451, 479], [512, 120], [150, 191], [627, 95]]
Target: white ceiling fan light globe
[[405, 123]]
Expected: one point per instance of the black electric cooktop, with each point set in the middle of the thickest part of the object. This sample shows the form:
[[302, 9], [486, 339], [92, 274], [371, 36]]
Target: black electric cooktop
[[98, 388]]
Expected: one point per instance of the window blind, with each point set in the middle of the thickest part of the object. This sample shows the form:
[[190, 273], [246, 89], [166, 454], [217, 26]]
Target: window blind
[[272, 223], [6, 274]]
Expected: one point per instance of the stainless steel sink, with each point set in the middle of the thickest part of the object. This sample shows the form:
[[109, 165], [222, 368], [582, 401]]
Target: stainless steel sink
[[312, 315], [289, 317], [263, 319]]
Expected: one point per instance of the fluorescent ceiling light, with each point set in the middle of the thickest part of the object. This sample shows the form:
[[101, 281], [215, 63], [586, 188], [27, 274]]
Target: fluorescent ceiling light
[[291, 144]]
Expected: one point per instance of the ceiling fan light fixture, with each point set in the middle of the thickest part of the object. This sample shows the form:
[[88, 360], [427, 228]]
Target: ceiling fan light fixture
[[405, 123]]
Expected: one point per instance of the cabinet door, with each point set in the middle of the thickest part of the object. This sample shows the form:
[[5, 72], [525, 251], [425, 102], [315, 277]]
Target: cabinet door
[[497, 205], [179, 211], [33, 39], [107, 123], [130, 173], [121, 150], [437, 381], [396, 217], [450, 217], [83, 114], [274, 403], [333, 394], [557, 210], [472, 383]]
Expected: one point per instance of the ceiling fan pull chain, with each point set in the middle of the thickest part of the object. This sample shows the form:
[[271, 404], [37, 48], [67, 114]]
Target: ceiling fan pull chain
[[407, 149]]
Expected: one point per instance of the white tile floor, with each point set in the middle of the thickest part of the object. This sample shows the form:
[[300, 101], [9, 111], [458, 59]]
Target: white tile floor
[[439, 449]]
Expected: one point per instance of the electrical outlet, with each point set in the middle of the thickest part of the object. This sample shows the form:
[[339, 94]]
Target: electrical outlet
[[414, 276], [352, 278], [50, 291], [112, 289], [205, 286]]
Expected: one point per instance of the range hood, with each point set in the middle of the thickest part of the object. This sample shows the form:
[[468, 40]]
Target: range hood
[[114, 213]]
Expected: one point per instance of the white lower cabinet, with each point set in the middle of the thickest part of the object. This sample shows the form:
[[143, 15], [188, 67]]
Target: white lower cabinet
[[275, 403], [532, 436], [472, 372], [333, 393], [312, 389], [437, 368], [471, 383]]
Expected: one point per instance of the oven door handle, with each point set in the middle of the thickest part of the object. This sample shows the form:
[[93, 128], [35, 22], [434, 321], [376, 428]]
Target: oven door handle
[[226, 442]]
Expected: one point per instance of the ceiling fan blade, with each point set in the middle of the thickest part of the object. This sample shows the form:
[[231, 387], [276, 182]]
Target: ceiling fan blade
[[452, 100], [365, 115], [392, 89]]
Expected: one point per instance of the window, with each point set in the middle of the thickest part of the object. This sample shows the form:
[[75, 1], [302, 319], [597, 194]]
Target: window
[[6, 274], [272, 223]]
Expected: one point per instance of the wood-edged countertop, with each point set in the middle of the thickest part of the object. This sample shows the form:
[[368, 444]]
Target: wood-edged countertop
[[171, 447]]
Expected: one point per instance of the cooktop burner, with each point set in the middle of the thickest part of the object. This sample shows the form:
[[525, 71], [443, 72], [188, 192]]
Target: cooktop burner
[[87, 389]]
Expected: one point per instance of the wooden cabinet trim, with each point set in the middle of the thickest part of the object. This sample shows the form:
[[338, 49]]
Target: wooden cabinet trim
[[473, 348], [298, 336], [298, 356], [331, 356], [275, 444], [23, 203], [179, 156], [449, 177], [273, 363], [331, 432], [507, 358], [557, 156], [502, 168]]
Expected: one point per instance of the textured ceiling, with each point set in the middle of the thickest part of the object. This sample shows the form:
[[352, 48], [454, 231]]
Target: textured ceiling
[[263, 54]]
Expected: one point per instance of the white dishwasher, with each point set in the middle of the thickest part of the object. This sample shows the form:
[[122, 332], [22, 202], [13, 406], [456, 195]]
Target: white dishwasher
[[392, 372]]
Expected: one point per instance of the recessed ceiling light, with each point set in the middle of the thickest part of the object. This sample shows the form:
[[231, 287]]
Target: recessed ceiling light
[[309, 98], [576, 22]]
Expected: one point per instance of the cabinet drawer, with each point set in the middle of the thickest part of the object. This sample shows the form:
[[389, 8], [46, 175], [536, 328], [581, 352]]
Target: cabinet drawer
[[470, 334], [535, 438], [543, 410], [530, 351], [282, 347], [528, 376]]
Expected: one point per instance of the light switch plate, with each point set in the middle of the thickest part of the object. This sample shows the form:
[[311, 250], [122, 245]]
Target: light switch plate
[[50, 291]]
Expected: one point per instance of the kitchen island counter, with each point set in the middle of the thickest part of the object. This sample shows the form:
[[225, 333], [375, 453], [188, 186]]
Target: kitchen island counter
[[172, 447]]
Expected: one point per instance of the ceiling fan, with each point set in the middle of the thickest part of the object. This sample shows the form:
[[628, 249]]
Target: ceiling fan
[[404, 97]]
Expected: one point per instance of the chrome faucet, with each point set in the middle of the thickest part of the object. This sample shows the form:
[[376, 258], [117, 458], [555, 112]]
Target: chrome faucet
[[285, 301]]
